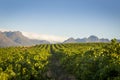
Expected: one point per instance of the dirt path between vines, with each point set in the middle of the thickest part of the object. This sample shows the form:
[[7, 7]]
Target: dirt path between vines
[[55, 70]]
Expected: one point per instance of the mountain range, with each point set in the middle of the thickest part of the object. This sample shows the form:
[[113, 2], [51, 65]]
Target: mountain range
[[92, 38], [16, 38]]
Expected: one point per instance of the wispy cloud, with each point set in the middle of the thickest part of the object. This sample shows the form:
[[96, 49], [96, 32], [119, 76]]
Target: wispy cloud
[[3, 30], [51, 38]]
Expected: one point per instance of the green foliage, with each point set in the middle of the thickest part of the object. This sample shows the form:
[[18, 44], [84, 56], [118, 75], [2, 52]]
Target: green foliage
[[24, 63], [83, 61]]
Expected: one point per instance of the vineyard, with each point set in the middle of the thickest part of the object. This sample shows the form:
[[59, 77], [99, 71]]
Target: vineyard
[[73, 61]]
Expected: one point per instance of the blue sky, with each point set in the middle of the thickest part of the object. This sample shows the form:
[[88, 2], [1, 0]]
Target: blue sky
[[65, 18]]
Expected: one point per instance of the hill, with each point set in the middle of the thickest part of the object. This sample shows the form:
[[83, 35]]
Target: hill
[[16, 38], [91, 38]]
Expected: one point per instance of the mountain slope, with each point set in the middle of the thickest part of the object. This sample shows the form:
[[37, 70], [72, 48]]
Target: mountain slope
[[89, 39], [70, 40], [93, 38], [16, 38], [5, 41], [35, 41]]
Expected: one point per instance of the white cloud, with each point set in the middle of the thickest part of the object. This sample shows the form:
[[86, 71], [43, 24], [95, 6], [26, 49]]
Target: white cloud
[[51, 38]]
